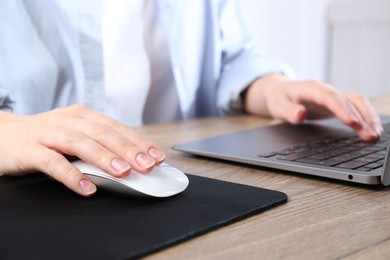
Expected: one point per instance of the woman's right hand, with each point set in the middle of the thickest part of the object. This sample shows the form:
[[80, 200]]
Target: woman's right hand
[[40, 142]]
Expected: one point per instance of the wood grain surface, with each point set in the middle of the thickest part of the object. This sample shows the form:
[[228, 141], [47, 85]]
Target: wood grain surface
[[323, 219]]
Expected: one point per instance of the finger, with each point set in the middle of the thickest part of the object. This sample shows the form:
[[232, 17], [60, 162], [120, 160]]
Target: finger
[[56, 166], [326, 96], [150, 149], [102, 130], [293, 113], [157, 154], [84, 147], [368, 113], [118, 144], [363, 130], [316, 112]]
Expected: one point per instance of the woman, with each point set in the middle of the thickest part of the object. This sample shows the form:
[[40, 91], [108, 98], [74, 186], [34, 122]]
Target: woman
[[75, 75]]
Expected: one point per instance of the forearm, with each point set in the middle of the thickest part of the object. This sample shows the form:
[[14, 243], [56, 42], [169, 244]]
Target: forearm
[[6, 116]]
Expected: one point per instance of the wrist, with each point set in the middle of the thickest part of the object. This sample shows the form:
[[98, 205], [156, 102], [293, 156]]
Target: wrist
[[6, 116], [258, 94]]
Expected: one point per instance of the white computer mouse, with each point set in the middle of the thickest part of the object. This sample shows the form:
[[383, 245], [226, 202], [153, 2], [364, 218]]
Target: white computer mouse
[[163, 181]]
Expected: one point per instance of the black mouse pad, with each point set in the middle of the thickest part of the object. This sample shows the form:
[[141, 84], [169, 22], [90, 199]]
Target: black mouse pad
[[42, 219]]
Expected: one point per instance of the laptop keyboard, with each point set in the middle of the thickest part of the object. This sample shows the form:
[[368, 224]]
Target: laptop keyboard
[[349, 152]]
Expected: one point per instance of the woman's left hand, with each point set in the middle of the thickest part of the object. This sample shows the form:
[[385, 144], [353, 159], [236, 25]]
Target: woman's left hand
[[294, 101]]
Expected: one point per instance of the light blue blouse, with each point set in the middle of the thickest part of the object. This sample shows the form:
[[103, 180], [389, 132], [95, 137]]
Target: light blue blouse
[[51, 55]]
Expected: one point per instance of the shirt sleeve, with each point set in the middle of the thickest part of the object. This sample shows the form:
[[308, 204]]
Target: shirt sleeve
[[242, 61], [5, 100]]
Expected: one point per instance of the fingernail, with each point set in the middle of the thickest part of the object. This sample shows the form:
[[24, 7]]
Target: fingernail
[[372, 132], [157, 154], [296, 113], [298, 116], [119, 165], [377, 128], [144, 161], [355, 119], [87, 187]]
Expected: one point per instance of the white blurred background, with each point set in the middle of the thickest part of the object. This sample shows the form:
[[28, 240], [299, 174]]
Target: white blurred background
[[343, 42]]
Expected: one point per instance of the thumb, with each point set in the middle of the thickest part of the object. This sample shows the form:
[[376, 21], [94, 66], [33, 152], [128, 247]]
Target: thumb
[[291, 112]]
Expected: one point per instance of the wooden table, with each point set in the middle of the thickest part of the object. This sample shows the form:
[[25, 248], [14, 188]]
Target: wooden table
[[323, 218]]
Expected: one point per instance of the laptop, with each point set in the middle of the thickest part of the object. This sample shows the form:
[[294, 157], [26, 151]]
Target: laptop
[[325, 148]]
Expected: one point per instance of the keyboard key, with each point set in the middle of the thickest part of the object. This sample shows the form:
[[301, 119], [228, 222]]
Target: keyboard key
[[326, 155], [296, 156], [333, 161], [310, 161], [364, 169], [376, 156], [374, 165], [351, 165], [349, 152], [366, 159]]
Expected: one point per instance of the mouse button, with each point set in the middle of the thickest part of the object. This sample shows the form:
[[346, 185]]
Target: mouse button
[[173, 174], [114, 186], [154, 183], [160, 182], [89, 168], [145, 183]]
